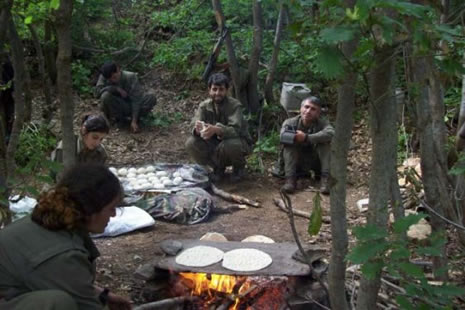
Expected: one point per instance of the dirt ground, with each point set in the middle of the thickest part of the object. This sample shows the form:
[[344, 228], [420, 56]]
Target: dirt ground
[[122, 255]]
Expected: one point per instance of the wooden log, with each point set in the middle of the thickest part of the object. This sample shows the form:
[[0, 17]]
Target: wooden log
[[234, 197], [280, 204], [165, 303]]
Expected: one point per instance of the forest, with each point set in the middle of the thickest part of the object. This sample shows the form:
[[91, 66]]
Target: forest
[[391, 78]]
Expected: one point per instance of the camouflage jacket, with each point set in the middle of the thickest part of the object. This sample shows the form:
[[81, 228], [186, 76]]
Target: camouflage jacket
[[83, 155], [227, 115], [128, 82], [319, 131], [33, 258]]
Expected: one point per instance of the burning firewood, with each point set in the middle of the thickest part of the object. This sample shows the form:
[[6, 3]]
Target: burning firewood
[[234, 198]]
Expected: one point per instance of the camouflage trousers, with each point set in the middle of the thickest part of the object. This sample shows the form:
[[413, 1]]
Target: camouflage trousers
[[44, 300], [300, 160], [218, 153], [120, 109]]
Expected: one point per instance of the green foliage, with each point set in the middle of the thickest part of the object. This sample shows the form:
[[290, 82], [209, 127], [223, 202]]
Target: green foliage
[[459, 167], [81, 77], [35, 144], [316, 218], [267, 146], [378, 251]]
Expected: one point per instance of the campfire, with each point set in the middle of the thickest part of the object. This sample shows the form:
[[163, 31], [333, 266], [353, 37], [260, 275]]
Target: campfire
[[217, 291]]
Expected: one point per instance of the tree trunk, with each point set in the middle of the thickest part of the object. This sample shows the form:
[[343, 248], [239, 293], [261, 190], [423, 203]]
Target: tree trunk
[[234, 65], [253, 99], [384, 156], [20, 77], [50, 53], [64, 82], [46, 83], [268, 89], [339, 152]]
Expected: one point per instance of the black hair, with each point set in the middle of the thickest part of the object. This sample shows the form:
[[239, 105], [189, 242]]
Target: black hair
[[313, 99], [84, 189], [219, 79], [108, 68], [95, 123]]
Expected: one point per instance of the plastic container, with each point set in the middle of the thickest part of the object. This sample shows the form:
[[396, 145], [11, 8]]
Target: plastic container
[[292, 95]]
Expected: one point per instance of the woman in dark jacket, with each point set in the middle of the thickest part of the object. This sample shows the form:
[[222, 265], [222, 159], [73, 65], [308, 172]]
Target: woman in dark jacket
[[47, 260]]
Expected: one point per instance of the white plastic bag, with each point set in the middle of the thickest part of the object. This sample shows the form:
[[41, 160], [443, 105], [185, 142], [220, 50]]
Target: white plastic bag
[[127, 219]]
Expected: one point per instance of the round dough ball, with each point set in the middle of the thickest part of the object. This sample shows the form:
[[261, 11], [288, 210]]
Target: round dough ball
[[150, 169], [154, 179], [113, 170], [176, 174], [161, 173], [167, 183], [142, 180], [177, 180], [141, 171], [132, 170], [158, 185], [123, 172], [150, 174], [131, 175], [164, 178]]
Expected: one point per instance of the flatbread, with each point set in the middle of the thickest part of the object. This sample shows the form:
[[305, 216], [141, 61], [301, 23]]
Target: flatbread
[[246, 260], [199, 256]]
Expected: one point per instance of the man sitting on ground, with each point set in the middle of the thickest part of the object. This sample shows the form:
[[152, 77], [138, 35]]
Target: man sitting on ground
[[220, 136], [122, 96], [306, 142]]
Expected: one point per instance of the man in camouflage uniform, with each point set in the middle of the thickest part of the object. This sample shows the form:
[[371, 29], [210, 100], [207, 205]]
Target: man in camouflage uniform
[[122, 96], [306, 142], [220, 136]]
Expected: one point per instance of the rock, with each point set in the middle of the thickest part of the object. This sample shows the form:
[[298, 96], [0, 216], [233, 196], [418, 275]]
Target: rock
[[419, 231], [258, 238], [171, 247], [213, 236]]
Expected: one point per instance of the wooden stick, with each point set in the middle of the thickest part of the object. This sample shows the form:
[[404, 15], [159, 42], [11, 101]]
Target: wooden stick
[[229, 208], [280, 204], [165, 303], [234, 197]]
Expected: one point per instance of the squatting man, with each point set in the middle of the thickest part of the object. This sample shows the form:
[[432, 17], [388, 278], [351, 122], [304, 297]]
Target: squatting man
[[306, 142], [220, 136]]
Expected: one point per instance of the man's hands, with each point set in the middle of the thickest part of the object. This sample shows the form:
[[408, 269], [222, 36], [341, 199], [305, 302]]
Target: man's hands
[[206, 131], [116, 302], [300, 136], [122, 92], [134, 126]]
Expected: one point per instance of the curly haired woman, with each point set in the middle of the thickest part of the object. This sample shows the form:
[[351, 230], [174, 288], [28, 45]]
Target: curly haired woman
[[47, 260]]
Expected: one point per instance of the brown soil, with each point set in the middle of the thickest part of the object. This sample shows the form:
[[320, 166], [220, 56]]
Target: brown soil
[[122, 255]]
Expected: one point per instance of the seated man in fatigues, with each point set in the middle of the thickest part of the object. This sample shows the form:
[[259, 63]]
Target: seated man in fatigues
[[306, 142], [220, 136], [122, 97]]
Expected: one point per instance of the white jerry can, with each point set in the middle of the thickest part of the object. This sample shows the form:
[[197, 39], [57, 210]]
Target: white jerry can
[[292, 95]]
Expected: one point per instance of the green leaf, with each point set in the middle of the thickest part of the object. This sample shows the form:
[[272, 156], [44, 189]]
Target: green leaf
[[336, 34], [360, 254], [404, 303], [55, 4], [28, 20], [32, 190], [402, 225], [316, 217], [329, 62], [411, 269], [400, 253], [45, 178], [369, 232], [371, 269], [405, 8]]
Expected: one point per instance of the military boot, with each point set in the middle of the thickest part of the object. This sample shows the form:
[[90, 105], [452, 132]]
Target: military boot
[[290, 185], [324, 186]]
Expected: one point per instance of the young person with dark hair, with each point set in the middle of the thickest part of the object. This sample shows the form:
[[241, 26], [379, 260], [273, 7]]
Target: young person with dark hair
[[47, 260], [89, 147], [220, 136], [122, 97]]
